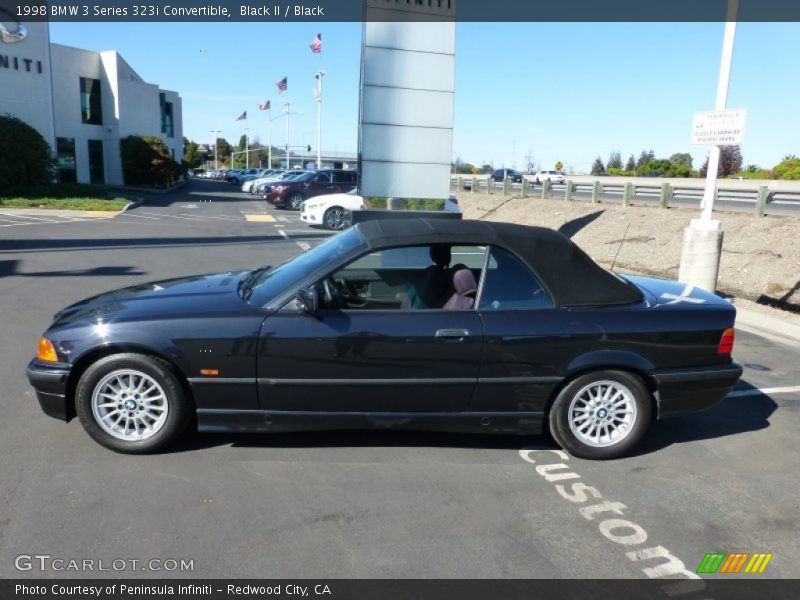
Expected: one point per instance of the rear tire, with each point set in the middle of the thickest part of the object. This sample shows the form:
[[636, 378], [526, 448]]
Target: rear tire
[[138, 392], [601, 415]]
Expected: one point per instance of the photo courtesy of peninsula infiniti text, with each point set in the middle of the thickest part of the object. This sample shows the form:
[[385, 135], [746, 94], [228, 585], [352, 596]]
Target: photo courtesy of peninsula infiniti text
[[427, 324]]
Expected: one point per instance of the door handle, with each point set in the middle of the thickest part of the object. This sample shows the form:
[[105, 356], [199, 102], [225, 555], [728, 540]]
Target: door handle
[[459, 334]]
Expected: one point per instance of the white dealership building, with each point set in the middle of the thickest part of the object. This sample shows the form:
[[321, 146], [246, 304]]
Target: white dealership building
[[82, 102]]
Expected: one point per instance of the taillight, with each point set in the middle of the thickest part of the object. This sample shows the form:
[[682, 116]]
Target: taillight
[[726, 342]]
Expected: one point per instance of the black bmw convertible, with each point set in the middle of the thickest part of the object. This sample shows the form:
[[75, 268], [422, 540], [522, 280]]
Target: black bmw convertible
[[422, 324]]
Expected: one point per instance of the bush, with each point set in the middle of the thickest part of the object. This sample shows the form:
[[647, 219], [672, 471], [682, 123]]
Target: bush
[[147, 161], [27, 157], [788, 168], [405, 203]]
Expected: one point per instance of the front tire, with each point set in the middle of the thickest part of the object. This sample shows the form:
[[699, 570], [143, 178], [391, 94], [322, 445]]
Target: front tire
[[131, 403], [334, 218], [601, 415]]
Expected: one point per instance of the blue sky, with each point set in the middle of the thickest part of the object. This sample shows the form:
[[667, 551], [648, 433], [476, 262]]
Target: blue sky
[[561, 91]]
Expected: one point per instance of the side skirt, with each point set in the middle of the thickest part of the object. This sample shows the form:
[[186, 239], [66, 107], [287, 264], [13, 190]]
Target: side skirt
[[266, 421]]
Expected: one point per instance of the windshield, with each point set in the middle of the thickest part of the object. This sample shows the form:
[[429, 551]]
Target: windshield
[[270, 284]]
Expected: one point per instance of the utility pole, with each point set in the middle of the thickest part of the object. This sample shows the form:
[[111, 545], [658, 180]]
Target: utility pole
[[702, 239], [216, 133]]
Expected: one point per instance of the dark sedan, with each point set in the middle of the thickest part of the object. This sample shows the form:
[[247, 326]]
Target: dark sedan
[[292, 194], [422, 324], [510, 174]]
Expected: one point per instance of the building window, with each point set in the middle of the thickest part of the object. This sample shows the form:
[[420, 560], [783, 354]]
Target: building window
[[167, 121], [91, 105], [97, 171], [65, 160]]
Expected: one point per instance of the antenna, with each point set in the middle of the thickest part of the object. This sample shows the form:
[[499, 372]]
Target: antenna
[[622, 241]]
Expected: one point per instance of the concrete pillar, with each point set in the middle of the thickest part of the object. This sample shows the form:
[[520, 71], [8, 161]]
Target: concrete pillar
[[702, 246]]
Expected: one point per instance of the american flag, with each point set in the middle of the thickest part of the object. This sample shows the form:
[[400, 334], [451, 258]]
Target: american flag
[[242, 117], [282, 84], [316, 45], [264, 105]]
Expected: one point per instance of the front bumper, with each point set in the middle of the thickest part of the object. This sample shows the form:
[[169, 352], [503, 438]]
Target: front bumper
[[50, 383], [311, 217], [685, 391]]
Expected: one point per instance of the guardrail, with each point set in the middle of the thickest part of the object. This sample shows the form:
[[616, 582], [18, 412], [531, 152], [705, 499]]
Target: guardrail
[[759, 200]]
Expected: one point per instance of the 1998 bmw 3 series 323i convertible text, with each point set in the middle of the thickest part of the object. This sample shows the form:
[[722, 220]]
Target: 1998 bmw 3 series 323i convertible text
[[420, 324]]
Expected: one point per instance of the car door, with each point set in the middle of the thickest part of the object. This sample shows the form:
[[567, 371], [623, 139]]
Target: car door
[[381, 358], [321, 184], [525, 338]]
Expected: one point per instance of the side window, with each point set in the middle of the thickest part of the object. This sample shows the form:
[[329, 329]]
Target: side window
[[323, 178], [343, 177], [406, 278], [508, 284]]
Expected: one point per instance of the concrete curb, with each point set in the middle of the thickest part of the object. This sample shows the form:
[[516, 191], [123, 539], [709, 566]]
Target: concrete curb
[[783, 328], [59, 212]]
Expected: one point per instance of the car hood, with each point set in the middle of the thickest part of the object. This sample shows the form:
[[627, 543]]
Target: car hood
[[168, 298], [348, 201]]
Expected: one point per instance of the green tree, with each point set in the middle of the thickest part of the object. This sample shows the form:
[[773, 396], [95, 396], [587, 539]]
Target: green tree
[[598, 168], [192, 158], [630, 166], [644, 158], [223, 150], [614, 161], [147, 161], [681, 158], [26, 156]]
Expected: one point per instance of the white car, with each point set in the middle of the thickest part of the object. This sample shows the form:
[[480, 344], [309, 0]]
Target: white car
[[329, 210], [551, 176]]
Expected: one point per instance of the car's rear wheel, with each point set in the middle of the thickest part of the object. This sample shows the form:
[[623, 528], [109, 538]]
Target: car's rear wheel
[[601, 415], [295, 201], [334, 218], [131, 403]]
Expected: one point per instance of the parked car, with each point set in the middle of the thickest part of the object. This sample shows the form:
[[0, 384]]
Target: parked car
[[551, 176], [438, 324], [236, 177], [292, 193], [511, 174], [259, 185], [248, 179], [329, 211]]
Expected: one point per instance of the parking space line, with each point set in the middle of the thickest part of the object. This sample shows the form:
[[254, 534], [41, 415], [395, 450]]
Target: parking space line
[[283, 233], [765, 391]]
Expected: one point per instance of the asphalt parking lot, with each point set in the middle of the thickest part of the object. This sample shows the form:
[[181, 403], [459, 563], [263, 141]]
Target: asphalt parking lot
[[379, 504]]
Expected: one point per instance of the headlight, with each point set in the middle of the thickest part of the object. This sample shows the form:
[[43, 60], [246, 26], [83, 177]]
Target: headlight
[[279, 188]]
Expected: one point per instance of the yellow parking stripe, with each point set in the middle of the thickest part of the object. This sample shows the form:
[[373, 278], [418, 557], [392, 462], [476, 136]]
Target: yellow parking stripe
[[260, 218]]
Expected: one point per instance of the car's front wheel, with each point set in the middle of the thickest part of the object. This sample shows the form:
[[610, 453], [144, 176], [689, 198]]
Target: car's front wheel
[[601, 415], [334, 218], [131, 403]]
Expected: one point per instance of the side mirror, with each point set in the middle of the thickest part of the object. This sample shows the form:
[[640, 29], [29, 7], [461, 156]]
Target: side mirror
[[307, 300]]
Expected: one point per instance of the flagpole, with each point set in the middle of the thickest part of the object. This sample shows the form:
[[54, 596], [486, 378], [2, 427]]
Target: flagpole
[[320, 75], [246, 153], [269, 135], [288, 167]]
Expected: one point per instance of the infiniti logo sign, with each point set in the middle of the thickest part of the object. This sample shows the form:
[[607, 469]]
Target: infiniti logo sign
[[9, 36]]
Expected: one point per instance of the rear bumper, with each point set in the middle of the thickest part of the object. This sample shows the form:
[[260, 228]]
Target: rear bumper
[[50, 384], [685, 391]]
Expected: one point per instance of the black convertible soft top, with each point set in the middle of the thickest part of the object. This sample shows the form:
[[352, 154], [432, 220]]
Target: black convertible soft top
[[571, 277]]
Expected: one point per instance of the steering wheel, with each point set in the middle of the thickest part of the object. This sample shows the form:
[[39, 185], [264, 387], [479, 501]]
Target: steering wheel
[[330, 293], [347, 295]]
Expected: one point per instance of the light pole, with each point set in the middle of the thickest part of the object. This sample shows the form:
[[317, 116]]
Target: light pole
[[319, 76], [702, 239], [216, 133]]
